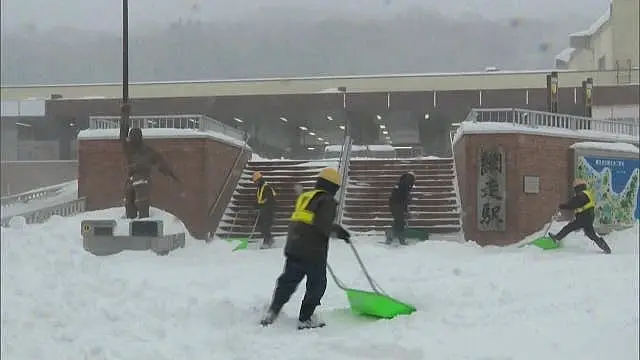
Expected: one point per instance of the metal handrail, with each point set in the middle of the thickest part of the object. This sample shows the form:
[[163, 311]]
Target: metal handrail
[[343, 169], [456, 185], [181, 121], [38, 216], [31, 195], [535, 118], [227, 181]]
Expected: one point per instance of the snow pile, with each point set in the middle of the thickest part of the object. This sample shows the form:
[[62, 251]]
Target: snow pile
[[203, 301]]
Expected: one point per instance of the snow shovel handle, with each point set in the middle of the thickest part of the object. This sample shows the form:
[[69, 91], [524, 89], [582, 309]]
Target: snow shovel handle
[[553, 219], [372, 282]]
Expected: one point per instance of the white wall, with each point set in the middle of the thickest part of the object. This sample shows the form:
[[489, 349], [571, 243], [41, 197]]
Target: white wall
[[625, 16]]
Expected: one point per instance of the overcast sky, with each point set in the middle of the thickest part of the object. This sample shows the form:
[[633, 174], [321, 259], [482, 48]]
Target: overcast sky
[[106, 14]]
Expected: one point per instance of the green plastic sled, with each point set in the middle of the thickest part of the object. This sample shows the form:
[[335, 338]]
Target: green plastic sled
[[545, 243], [243, 243], [410, 233], [416, 233], [377, 305]]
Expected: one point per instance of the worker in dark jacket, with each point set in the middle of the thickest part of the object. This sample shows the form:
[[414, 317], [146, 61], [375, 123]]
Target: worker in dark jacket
[[399, 206], [583, 205], [266, 203], [141, 159], [310, 227]]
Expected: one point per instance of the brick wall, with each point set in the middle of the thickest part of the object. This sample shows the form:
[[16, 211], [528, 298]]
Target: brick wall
[[534, 155], [202, 165]]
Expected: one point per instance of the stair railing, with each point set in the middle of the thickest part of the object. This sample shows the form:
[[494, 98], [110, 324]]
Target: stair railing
[[227, 182], [456, 185], [343, 169]]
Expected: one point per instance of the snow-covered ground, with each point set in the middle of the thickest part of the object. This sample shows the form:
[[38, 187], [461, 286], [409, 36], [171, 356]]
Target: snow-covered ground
[[204, 302]]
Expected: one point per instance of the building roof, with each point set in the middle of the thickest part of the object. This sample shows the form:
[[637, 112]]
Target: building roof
[[311, 85]]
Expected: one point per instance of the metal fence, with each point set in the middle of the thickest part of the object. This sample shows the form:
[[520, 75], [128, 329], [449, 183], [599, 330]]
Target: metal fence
[[196, 122], [533, 118], [38, 216], [38, 194]]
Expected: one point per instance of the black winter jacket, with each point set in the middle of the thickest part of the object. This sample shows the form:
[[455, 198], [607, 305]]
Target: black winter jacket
[[310, 242], [401, 195]]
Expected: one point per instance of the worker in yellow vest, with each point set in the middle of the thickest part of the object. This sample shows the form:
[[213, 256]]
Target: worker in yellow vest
[[310, 227], [266, 203], [583, 204]]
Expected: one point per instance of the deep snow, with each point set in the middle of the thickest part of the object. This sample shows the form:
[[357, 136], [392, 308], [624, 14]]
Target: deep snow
[[204, 302]]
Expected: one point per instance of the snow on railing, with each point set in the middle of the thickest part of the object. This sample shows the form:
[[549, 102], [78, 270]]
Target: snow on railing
[[41, 215], [196, 122], [456, 186], [37, 194], [533, 118]]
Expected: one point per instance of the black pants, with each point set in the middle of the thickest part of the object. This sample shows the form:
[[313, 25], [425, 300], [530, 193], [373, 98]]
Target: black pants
[[137, 199], [584, 222], [265, 223], [294, 271], [398, 225]]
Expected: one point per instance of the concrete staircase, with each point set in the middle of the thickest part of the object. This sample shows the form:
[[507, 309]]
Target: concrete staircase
[[240, 216], [434, 204]]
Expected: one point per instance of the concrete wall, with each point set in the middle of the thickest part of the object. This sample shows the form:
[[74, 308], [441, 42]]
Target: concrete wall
[[618, 111], [9, 140], [21, 176], [33, 150]]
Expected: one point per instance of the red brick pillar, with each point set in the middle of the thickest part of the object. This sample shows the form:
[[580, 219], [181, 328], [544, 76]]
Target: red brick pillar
[[200, 160]]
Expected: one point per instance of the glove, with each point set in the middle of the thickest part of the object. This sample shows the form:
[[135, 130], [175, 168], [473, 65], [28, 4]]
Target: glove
[[341, 233]]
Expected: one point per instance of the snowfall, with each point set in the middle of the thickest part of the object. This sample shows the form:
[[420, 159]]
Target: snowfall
[[204, 301]]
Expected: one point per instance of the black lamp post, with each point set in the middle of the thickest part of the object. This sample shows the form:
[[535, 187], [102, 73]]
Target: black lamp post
[[126, 108], [343, 90]]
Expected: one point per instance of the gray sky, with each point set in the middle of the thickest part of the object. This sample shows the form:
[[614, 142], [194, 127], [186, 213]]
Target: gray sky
[[106, 14]]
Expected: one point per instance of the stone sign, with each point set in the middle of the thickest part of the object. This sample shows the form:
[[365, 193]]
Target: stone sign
[[492, 202]]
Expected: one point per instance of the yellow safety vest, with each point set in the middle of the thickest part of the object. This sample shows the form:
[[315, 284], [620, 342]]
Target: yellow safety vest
[[589, 205], [300, 213], [260, 194]]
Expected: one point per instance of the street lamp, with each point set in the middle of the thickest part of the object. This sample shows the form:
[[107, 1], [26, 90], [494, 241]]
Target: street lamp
[[125, 110], [343, 91]]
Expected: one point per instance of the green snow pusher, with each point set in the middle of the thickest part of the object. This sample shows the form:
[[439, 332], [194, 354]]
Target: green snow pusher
[[545, 242], [373, 303]]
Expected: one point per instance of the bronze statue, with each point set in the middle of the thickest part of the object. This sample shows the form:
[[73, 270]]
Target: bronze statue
[[141, 159]]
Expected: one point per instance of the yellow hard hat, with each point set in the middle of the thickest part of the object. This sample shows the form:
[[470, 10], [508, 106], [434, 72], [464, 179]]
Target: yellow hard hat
[[578, 182], [331, 175], [256, 176]]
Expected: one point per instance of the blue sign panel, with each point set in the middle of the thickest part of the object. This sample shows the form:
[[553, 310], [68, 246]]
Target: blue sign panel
[[615, 184]]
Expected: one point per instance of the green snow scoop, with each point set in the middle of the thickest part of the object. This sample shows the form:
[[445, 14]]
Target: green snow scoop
[[373, 303], [545, 242], [244, 241], [411, 233]]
